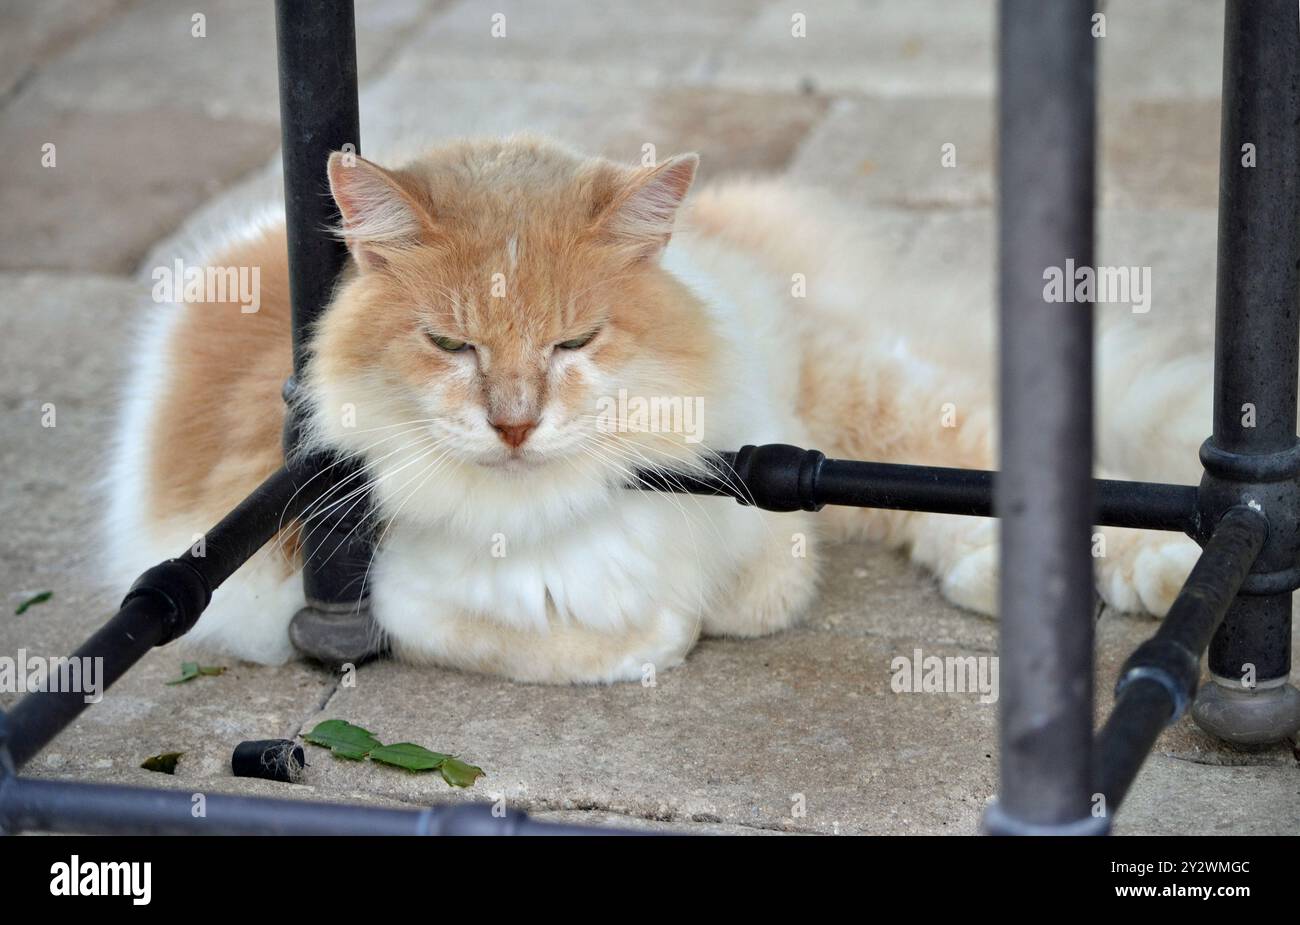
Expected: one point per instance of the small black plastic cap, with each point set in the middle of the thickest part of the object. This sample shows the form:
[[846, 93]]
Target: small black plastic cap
[[269, 759]]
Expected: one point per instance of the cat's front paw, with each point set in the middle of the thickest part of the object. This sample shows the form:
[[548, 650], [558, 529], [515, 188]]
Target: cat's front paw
[[1147, 574], [972, 581], [963, 553]]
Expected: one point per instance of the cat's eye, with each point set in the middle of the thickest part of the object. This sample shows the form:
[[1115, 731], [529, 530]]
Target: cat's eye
[[577, 343], [450, 344]]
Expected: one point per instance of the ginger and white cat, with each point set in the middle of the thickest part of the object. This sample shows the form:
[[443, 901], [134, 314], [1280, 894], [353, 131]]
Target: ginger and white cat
[[501, 295]]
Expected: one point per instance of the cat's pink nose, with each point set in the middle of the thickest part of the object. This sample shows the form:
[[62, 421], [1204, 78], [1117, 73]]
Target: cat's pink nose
[[514, 434]]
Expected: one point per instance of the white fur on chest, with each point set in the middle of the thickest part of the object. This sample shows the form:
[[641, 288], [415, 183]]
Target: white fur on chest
[[608, 570]]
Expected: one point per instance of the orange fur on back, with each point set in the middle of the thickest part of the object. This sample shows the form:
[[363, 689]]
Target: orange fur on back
[[220, 414]]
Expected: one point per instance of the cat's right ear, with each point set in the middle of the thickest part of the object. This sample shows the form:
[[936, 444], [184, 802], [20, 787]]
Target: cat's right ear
[[639, 218], [379, 215]]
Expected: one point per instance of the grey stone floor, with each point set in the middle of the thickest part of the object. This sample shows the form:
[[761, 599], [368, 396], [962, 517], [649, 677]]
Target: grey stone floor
[[159, 134]]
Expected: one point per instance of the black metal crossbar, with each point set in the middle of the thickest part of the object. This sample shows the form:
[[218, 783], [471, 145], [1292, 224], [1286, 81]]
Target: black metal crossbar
[[779, 477], [1056, 777], [102, 809], [1159, 679]]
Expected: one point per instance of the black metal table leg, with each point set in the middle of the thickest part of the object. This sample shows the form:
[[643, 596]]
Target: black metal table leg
[[1044, 498], [316, 46], [1253, 456]]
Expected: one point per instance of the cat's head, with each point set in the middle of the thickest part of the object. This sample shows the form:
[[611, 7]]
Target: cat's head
[[505, 309]]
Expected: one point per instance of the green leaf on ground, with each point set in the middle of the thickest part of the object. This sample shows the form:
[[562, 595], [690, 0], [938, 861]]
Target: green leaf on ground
[[410, 756], [189, 671], [164, 763], [459, 774], [343, 739], [32, 602], [355, 743], [192, 670]]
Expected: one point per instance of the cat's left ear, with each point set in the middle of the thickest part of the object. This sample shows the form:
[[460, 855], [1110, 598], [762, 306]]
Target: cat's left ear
[[380, 215], [641, 218]]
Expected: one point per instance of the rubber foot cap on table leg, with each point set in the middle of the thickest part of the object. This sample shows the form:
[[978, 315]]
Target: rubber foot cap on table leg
[[1247, 717], [337, 635], [998, 822]]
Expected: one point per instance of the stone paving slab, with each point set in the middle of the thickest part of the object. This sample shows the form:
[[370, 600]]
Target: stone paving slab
[[149, 59], [648, 43], [148, 121], [1159, 154], [1161, 50], [891, 152], [119, 181], [922, 48], [734, 131], [1171, 798], [32, 32], [63, 342]]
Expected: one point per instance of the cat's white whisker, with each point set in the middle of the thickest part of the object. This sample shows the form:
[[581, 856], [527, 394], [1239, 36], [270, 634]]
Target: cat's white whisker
[[321, 507], [347, 457], [361, 493]]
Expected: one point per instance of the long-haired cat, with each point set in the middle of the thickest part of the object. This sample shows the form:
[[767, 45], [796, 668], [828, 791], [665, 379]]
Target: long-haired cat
[[510, 312]]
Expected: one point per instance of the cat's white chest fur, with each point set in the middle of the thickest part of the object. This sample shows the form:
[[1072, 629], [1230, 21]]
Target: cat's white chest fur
[[605, 571]]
